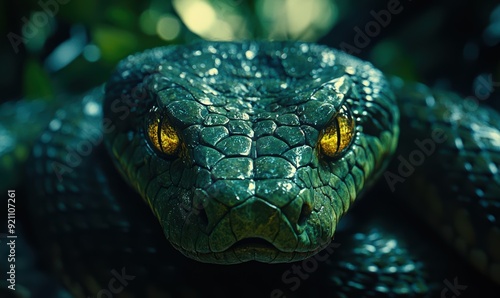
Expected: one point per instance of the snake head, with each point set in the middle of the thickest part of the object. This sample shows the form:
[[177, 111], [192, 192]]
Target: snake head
[[249, 151]]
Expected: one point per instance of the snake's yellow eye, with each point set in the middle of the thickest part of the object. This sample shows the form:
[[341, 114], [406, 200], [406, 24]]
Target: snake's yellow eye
[[162, 135], [338, 135]]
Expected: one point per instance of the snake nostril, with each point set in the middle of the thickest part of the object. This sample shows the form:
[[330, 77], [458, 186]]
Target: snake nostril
[[304, 214]]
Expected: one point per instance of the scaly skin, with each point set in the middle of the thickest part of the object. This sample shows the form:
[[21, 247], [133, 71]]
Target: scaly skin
[[249, 117], [248, 182], [461, 175]]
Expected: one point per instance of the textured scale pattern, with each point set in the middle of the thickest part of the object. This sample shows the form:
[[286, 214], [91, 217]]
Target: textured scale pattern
[[249, 183], [250, 116], [465, 211], [15, 145]]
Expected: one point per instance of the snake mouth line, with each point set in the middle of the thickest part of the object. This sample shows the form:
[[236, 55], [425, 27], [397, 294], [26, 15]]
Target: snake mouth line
[[254, 243]]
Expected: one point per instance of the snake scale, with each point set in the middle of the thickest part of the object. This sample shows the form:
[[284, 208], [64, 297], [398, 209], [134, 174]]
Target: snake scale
[[255, 151]]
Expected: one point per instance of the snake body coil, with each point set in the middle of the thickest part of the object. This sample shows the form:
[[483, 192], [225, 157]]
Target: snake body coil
[[254, 151]]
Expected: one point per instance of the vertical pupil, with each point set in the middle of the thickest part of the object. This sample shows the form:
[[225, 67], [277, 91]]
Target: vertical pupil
[[154, 132], [162, 135], [338, 135], [346, 128], [158, 133], [329, 143], [169, 139]]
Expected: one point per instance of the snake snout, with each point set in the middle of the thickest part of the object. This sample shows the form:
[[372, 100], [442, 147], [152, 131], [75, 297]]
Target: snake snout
[[262, 201], [263, 220]]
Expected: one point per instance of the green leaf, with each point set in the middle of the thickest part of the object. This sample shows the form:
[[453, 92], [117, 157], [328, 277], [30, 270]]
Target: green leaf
[[36, 80]]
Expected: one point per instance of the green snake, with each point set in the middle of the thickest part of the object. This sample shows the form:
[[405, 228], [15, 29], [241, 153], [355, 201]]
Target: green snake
[[255, 151]]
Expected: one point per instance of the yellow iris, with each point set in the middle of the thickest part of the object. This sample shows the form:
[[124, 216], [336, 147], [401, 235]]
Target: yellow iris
[[163, 136], [338, 135]]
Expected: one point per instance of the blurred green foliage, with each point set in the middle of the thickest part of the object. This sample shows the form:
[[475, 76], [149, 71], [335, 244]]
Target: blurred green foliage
[[422, 42], [37, 82], [119, 28]]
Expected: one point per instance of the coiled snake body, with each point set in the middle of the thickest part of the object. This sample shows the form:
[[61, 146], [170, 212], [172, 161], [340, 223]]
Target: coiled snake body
[[254, 151]]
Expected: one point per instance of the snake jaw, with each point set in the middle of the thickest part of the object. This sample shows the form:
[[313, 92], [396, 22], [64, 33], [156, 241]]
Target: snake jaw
[[252, 231]]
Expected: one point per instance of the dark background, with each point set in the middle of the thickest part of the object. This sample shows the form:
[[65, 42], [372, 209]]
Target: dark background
[[447, 44]]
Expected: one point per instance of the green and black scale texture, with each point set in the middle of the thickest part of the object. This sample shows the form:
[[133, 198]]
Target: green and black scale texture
[[248, 181]]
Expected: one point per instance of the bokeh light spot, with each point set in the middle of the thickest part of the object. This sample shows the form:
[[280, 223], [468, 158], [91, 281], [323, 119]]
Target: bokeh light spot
[[198, 15], [297, 19], [92, 53], [148, 21], [168, 27]]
